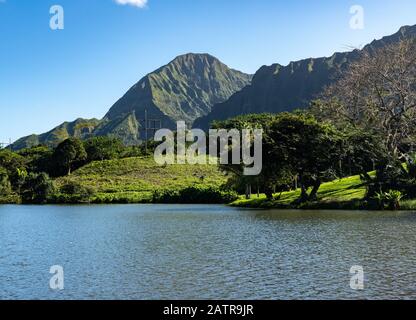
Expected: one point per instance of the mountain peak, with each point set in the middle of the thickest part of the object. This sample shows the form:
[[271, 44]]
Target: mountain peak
[[193, 60], [196, 61], [193, 56], [184, 89]]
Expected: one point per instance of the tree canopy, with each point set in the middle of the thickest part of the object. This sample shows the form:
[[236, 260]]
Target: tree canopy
[[69, 153], [103, 148]]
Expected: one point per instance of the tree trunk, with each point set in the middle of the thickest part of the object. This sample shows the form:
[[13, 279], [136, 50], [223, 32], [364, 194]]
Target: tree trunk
[[304, 193], [314, 192], [269, 192], [248, 191]]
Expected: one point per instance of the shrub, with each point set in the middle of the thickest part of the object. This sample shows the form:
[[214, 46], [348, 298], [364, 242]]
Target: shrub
[[103, 148], [37, 188], [73, 192], [5, 186], [195, 194], [389, 200]]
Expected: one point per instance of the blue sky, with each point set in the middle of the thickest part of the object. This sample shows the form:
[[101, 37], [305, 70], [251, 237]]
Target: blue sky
[[47, 77]]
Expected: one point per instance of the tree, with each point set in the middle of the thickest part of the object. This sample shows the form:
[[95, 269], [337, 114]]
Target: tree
[[38, 159], [377, 93], [306, 148], [37, 188], [15, 165], [267, 179], [103, 148], [5, 186], [69, 153], [361, 151], [300, 151]]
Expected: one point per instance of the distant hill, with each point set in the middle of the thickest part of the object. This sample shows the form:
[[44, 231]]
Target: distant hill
[[80, 128], [184, 89], [278, 88]]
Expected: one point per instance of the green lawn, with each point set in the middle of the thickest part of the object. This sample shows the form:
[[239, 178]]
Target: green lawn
[[336, 194]]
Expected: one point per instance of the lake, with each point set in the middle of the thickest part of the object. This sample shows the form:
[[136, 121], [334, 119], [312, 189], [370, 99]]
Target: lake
[[204, 252]]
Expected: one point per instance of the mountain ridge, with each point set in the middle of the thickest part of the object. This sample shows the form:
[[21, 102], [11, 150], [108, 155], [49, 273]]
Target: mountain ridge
[[79, 128], [278, 88]]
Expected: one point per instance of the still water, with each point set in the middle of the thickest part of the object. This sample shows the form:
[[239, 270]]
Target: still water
[[204, 252]]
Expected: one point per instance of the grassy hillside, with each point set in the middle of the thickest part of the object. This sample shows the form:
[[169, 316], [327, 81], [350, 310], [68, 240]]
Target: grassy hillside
[[347, 193], [336, 193], [135, 179]]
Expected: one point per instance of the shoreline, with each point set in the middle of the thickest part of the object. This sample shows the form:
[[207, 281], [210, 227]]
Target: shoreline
[[252, 204]]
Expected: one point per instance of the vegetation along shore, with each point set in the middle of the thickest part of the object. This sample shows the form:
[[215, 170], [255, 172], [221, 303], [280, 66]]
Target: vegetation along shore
[[353, 147]]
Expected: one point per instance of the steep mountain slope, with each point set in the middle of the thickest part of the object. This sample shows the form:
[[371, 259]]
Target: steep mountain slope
[[184, 89], [279, 88], [125, 127]]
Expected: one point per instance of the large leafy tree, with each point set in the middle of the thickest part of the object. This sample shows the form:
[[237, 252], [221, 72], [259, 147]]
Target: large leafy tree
[[361, 151], [301, 151], [308, 149], [267, 179], [37, 188], [15, 166], [103, 148], [11, 161], [38, 159], [69, 153]]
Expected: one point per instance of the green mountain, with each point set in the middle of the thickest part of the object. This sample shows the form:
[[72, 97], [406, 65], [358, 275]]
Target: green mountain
[[125, 127], [184, 89], [80, 128], [279, 88]]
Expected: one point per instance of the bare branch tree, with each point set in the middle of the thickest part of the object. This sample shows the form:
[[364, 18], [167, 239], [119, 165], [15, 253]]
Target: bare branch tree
[[378, 92]]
